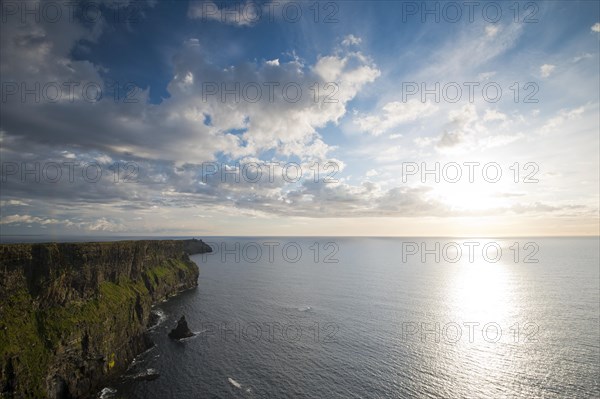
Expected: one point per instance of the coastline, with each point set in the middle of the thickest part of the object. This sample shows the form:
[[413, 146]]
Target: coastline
[[74, 315]]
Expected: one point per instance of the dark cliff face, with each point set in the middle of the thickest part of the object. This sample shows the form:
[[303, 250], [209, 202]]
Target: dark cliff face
[[74, 315], [195, 246]]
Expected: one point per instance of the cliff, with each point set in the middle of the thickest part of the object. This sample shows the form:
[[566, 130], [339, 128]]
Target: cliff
[[195, 246], [74, 315]]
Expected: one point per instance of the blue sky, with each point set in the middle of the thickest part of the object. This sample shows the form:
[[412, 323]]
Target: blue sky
[[365, 56]]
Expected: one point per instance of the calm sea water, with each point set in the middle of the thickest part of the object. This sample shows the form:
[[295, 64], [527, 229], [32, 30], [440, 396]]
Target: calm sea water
[[370, 317]]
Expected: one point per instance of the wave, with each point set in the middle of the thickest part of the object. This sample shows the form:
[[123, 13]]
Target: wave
[[304, 308], [140, 358], [147, 375], [196, 335], [234, 383], [107, 393], [159, 316]]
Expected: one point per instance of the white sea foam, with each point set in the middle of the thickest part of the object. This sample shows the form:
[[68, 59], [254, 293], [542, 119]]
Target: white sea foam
[[234, 383], [146, 374], [107, 393], [161, 317], [196, 335], [139, 358]]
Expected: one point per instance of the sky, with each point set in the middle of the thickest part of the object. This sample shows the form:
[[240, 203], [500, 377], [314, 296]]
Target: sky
[[286, 118]]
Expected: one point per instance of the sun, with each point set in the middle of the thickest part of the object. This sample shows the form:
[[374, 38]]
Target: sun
[[470, 197]]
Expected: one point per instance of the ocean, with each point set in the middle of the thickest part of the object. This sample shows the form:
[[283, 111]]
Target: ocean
[[381, 318]]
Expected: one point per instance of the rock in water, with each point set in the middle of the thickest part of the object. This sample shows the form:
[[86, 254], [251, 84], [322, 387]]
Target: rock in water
[[181, 331]]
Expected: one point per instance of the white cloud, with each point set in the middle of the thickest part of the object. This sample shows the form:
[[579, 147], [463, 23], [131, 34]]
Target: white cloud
[[102, 224], [394, 114], [584, 56], [491, 30], [563, 116], [467, 51], [351, 40], [596, 27], [460, 125], [175, 129], [103, 159], [13, 203], [238, 14], [193, 42], [465, 131], [27, 219], [173, 137], [486, 75], [546, 70], [187, 81], [329, 67], [493, 115]]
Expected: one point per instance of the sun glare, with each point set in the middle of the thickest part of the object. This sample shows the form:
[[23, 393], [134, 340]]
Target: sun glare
[[470, 198]]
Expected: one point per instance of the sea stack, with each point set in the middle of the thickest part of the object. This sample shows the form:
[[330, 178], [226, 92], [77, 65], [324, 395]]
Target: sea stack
[[181, 331]]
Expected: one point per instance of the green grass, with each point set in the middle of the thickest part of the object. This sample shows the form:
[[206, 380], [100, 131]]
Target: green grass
[[31, 332]]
